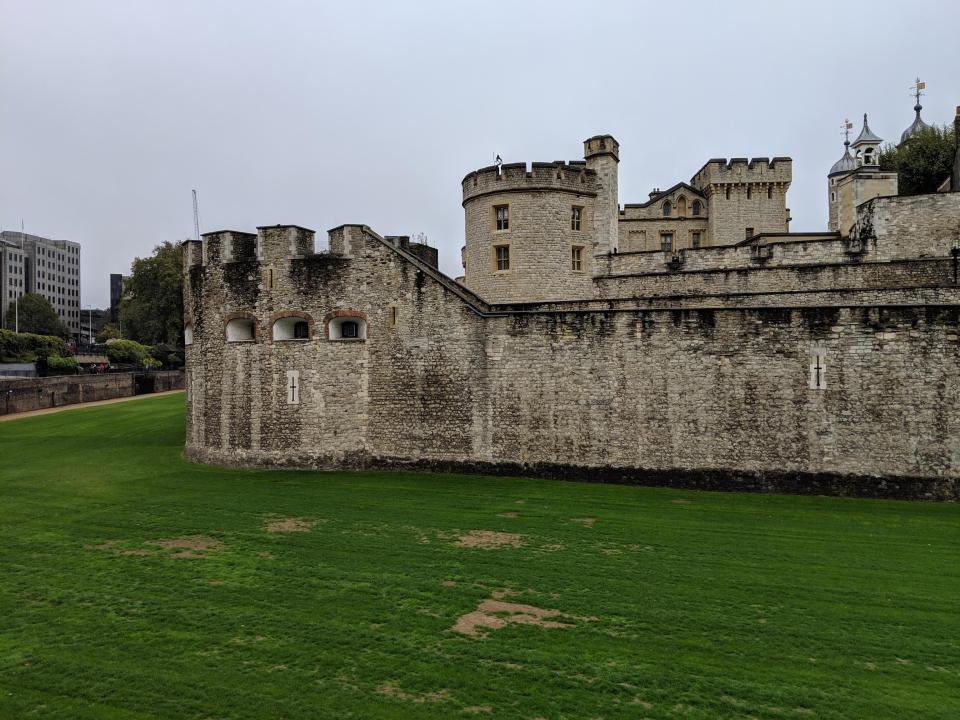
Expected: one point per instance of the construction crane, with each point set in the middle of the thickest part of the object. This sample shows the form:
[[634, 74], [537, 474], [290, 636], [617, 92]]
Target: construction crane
[[196, 218]]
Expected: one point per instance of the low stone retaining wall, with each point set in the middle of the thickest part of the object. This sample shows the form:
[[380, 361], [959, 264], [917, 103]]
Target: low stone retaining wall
[[39, 393]]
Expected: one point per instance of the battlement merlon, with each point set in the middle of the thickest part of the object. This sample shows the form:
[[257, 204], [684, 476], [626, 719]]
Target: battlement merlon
[[570, 177], [192, 254], [277, 243], [721, 171], [224, 246]]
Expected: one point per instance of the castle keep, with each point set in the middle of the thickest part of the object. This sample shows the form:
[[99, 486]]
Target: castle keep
[[689, 339]]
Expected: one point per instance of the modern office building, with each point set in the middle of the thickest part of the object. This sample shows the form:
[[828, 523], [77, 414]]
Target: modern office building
[[50, 268]]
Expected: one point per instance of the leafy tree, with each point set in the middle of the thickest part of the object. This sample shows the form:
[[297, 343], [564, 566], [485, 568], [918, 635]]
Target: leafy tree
[[170, 355], [108, 332], [36, 316], [151, 311], [923, 161]]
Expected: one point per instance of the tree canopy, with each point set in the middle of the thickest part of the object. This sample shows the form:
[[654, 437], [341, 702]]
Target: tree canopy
[[36, 315], [923, 161], [151, 311], [107, 331]]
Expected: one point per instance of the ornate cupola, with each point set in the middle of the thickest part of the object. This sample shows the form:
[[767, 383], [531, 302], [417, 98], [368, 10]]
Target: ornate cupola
[[918, 125], [846, 163], [866, 147]]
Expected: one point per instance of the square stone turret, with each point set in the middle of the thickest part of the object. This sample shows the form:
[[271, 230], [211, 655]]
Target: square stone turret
[[602, 153]]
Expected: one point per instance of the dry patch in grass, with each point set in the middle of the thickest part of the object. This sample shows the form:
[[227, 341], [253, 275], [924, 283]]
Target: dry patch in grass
[[477, 709], [190, 546], [508, 515], [586, 522], [187, 547], [391, 689], [291, 524], [681, 501], [489, 540], [494, 613]]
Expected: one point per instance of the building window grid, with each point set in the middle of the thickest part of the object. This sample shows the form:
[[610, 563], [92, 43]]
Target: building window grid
[[501, 217], [576, 258], [502, 258], [576, 218]]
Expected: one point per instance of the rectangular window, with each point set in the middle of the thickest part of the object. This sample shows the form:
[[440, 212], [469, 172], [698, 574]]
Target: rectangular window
[[695, 239], [576, 258], [393, 315], [293, 387], [501, 254], [666, 242], [576, 217], [749, 232], [501, 214]]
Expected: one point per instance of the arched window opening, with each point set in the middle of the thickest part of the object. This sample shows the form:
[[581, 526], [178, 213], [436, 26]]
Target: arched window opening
[[188, 334], [769, 192], [291, 327], [681, 206], [697, 208], [749, 192], [240, 330], [728, 192], [666, 209], [348, 328]]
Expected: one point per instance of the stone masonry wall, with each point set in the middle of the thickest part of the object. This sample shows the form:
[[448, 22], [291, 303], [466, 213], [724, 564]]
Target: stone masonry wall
[[18, 396], [709, 397]]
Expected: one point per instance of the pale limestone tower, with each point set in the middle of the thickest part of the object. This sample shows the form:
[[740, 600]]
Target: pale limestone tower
[[863, 183], [602, 153], [841, 167]]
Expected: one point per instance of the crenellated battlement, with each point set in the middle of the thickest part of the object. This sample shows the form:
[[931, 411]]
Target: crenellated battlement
[[718, 171], [558, 176]]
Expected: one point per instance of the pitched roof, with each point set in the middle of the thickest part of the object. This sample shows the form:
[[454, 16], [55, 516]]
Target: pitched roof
[[665, 193]]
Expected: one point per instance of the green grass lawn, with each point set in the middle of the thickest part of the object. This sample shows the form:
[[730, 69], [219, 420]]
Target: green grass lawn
[[135, 584]]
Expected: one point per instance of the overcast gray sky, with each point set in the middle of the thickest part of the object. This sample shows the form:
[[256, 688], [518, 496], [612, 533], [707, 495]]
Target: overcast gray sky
[[318, 114]]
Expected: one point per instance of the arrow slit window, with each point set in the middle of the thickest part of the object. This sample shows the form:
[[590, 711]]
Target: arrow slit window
[[818, 369], [293, 387]]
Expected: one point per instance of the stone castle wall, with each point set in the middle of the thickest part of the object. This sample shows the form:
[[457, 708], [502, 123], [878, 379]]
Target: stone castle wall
[[709, 397]]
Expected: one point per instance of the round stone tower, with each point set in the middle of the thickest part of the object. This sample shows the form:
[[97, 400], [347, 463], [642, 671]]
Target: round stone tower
[[531, 233]]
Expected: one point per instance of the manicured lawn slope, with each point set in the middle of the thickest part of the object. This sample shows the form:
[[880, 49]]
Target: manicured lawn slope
[[676, 604]]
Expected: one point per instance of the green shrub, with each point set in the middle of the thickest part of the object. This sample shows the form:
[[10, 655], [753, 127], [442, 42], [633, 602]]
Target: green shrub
[[27, 347], [61, 365], [130, 352]]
